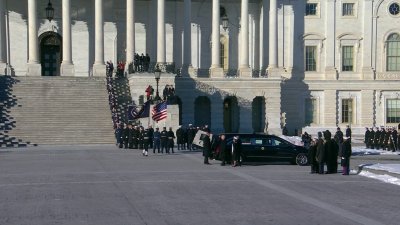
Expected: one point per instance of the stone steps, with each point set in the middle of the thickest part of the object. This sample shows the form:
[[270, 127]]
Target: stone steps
[[56, 110]]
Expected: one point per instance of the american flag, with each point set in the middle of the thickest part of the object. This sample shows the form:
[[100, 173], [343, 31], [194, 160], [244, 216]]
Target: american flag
[[159, 111]]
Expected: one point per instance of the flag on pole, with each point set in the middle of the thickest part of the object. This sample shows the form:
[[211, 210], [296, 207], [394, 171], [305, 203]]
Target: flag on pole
[[132, 112], [144, 111], [159, 111]]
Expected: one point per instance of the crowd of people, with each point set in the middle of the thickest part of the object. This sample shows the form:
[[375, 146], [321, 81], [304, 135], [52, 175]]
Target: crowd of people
[[381, 138], [168, 92], [141, 63], [325, 150], [111, 96]]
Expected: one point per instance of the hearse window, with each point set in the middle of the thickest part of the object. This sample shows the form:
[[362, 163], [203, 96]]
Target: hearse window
[[246, 141], [258, 141], [267, 141], [279, 143]]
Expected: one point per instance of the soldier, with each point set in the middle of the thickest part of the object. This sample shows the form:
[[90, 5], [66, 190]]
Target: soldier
[[151, 131], [382, 138], [118, 134], [394, 137], [366, 137], [179, 138], [191, 134], [386, 140], [156, 140], [126, 136], [171, 137], [140, 140], [164, 140], [146, 139], [130, 137], [135, 137], [377, 136]]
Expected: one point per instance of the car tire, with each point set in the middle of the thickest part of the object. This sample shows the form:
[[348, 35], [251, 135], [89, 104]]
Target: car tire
[[302, 159]]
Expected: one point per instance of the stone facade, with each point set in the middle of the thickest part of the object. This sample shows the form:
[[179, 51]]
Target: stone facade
[[269, 62]]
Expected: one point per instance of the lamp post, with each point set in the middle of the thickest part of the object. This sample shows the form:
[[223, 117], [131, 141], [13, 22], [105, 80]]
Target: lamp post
[[157, 75], [49, 11], [225, 22]]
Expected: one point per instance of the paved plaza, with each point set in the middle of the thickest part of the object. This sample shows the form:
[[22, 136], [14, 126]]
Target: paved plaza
[[104, 185]]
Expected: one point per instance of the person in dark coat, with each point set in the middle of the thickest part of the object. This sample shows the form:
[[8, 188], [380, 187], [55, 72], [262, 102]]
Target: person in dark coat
[[126, 136], [222, 150], [130, 137], [348, 132], [171, 143], [151, 131], [236, 151], [118, 134], [140, 140], [146, 142], [191, 134], [345, 157], [156, 140], [136, 134], [320, 155], [331, 150], [375, 138], [394, 138], [206, 148], [367, 137], [179, 138], [312, 153], [164, 140]]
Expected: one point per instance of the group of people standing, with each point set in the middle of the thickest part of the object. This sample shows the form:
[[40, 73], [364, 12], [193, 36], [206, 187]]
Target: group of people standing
[[112, 100], [381, 138], [141, 63], [325, 150], [218, 148]]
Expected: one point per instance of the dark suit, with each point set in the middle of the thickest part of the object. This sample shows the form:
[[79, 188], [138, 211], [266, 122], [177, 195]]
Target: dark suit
[[206, 148]]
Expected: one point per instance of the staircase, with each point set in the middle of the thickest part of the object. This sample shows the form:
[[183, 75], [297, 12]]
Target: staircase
[[123, 97], [54, 110]]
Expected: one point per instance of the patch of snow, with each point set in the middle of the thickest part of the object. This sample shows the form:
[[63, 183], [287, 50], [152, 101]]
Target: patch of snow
[[384, 178], [359, 150], [392, 168]]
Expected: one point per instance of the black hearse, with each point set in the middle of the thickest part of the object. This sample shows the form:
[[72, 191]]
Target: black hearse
[[268, 148]]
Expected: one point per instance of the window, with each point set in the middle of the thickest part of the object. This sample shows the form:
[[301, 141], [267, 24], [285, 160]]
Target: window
[[347, 110], [347, 58], [311, 9], [222, 55], [311, 111], [393, 111], [393, 53], [348, 9], [311, 64], [394, 9]]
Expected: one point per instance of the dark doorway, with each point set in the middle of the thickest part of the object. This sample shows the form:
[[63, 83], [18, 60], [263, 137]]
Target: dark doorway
[[50, 53], [258, 114], [231, 115], [202, 111]]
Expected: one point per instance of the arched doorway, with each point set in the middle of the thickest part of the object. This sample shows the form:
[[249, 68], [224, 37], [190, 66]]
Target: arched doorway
[[50, 53], [258, 114], [231, 115], [202, 111]]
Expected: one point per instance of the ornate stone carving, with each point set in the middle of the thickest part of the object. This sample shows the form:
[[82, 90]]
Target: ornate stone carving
[[206, 88], [388, 76]]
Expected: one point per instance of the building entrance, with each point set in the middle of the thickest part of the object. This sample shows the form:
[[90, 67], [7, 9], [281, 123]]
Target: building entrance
[[50, 53]]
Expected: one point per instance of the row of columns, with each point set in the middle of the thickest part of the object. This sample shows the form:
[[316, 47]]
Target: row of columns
[[67, 66]]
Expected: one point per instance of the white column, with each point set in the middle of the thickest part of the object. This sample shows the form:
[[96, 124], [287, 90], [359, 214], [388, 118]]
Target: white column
[[215, 70], [367, 71], [3, 60], [244, 69], [161, 32], [273, 35], [330, 53], [34, 67], [99, 68], [187, 37], [67, 67], [130, 32]]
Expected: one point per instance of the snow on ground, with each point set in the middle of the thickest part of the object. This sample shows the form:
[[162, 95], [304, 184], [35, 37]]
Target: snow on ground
[[392, 168], [384, 178], [360, 150]]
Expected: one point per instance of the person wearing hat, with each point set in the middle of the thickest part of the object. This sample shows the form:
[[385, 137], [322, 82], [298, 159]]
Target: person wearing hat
[[206, 148], [164, 140], [179, 138], [156, 140], [331, 151], [345, 156], [171, 143], [146, 138], [236, 151], [366, 137]]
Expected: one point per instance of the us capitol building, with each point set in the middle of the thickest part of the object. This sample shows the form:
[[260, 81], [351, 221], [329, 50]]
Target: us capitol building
[[237, 65]]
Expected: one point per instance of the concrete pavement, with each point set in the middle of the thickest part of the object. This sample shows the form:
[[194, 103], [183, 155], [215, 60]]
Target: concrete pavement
[[105, 185]]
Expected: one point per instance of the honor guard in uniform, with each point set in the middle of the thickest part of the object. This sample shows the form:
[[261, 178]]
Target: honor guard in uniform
[[151, 131], [156, 140], [371, 138], [126, 136], [179, 138], [171, 137], [135, 137], [382, 138], [366, 137], [377, 136], [164, 140], [140, 140], [146, 138], [130, 137]]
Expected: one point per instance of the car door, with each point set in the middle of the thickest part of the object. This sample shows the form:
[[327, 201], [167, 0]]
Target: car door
[[281, 149], [259, 148]]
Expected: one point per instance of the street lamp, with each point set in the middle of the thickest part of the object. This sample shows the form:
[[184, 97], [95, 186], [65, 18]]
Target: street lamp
[[157, 75], [49, 11], [225, 22]]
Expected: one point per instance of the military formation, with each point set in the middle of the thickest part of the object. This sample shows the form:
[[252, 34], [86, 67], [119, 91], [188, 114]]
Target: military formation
[[381, 138], [137, 137]]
